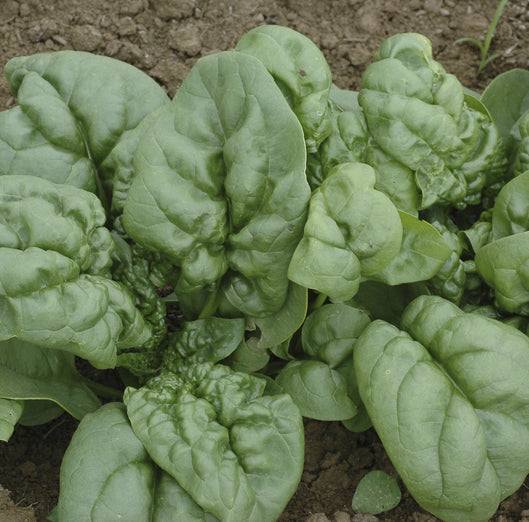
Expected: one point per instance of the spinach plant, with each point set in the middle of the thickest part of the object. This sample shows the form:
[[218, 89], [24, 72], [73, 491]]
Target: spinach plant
[[347, 256]]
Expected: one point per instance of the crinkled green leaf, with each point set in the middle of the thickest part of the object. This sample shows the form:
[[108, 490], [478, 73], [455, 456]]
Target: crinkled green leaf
[[376, 492], [54, 252], [447, 404], [205, 340], [417, 114], [422, 253], [10, 412], [220, 183], [352, 230], [75, 108], [413, 108], [301, 72], [237, 452], [35, 212], [346, 143], [522, 161], [329, 333], [44, 301], [248, 358], [486, 164], [106, 474], [133, 268], [29, 372]]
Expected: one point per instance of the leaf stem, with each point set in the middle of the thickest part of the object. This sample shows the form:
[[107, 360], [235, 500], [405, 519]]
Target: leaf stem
[[107, 392], [211, 305], [319, 301]]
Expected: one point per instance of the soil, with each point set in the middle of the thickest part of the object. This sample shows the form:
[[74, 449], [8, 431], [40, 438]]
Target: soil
[[164, 38]]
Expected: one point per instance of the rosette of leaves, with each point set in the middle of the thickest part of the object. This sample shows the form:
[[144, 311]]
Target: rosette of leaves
[[504, 262], [457, 434], [220, 186], [352, 230], [56, 299], [76, 119], [416, 113]]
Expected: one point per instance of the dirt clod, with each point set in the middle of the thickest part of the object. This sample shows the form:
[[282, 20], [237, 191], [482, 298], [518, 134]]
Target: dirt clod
[[9, 512]]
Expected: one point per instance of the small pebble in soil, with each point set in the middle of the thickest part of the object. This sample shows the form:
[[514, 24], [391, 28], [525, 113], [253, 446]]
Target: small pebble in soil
[[342, 516], [28, 468]]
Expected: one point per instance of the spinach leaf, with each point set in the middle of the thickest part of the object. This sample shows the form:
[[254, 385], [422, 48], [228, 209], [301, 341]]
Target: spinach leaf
[[74, 109], [10, 412], [220, 187], [237, 452], [447, 421], [301, 72], [352, 230], [119, 479], [321, 381]]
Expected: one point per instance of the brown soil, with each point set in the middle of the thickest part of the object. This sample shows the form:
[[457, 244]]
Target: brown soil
[[165, 38]]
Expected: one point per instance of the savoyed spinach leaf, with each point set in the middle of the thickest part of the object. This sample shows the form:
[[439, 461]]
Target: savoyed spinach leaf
[[416, 113], [220, 186], [353, 230], [44, 301], [205, 340], [55, 255], [237, 452], [75, 109], [301, 72], [119, 480], [447, 403], [37, 213]]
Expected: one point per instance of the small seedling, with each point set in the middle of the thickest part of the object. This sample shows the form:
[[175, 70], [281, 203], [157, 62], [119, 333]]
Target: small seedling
[[484, 47]]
